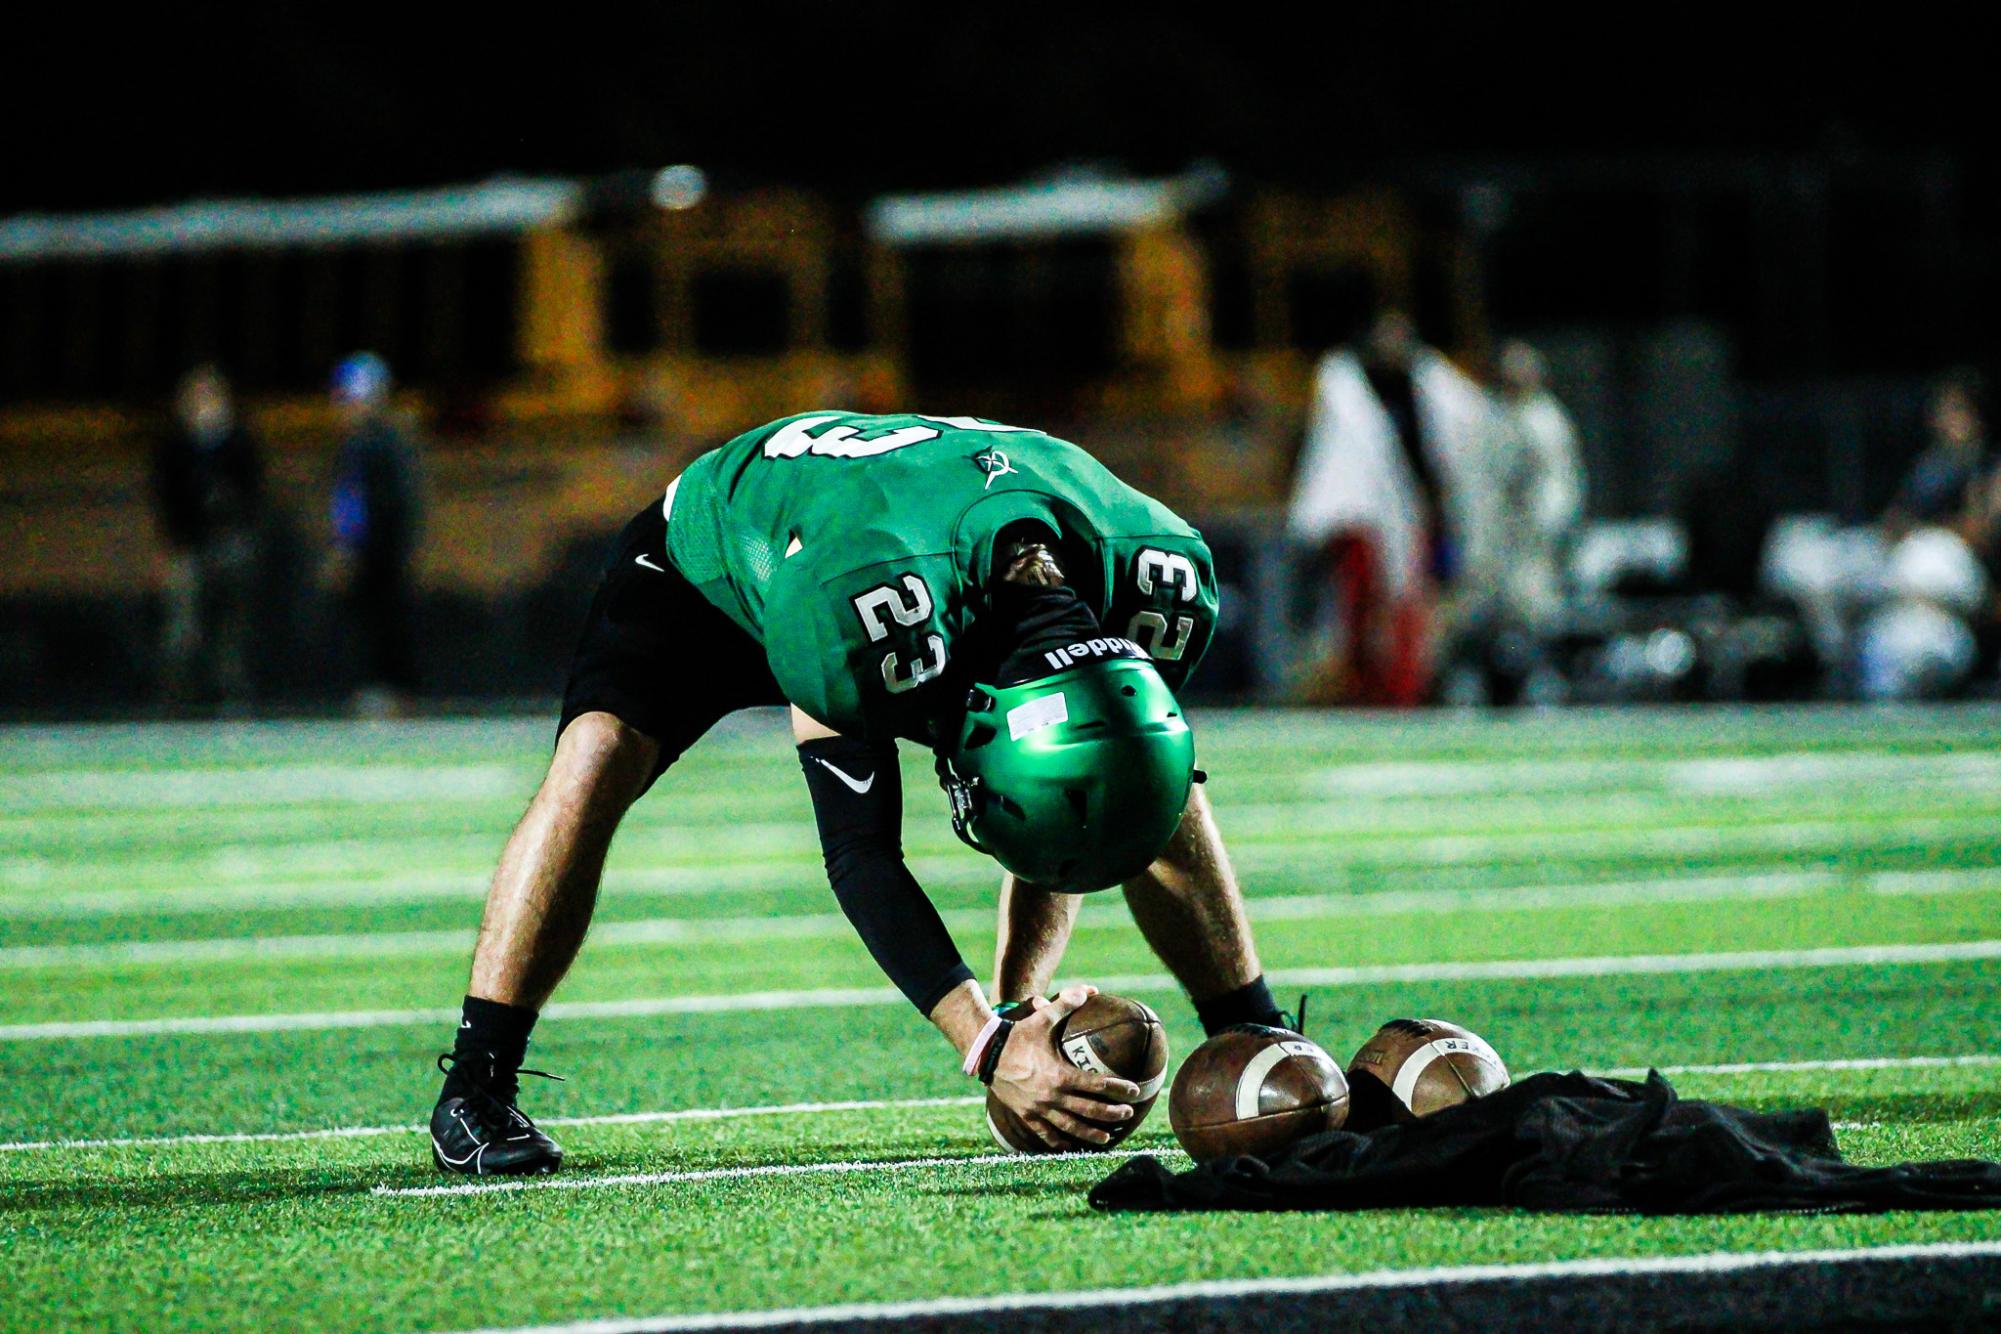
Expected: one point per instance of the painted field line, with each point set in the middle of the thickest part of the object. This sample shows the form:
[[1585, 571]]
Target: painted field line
[[1264, 837], [1832, 1063], [60, 791], [1968, 1061], [1605, 965], [1120, 1301], [1753, 776], [665, 881], [514, 1185], [608, 1119], [833, 926], [1260, 823]]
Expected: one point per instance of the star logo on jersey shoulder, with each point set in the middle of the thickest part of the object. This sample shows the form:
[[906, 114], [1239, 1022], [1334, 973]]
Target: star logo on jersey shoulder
[[995, 463]]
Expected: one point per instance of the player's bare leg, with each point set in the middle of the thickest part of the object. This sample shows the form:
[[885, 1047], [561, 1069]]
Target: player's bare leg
[[537, 911], [1190, 910], [546, 885]]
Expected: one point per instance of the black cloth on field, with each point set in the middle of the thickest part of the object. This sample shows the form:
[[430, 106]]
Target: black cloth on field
[[1567, 1143]]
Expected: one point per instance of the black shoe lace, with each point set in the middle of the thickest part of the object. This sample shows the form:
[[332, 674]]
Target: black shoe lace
[[491, 1097], [1296, 1021]]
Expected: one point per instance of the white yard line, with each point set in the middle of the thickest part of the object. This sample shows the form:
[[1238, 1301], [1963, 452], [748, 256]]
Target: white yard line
[[833, 926], [1120, 1301], [1604, 965], [512, 1185], [1972, 1060]]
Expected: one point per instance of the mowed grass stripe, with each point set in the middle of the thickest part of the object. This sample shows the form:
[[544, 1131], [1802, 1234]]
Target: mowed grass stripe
[[1093, 915], [827, 998], [298, 797], [1259, 835], [362, 939], [1345, 735], [614, 972], [303, 1079]]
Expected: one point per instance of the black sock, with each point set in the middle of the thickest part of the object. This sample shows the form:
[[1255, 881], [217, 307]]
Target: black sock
[[491, 1044], [1249, 1004]]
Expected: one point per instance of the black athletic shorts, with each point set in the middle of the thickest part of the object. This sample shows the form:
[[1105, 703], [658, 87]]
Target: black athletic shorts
[[656, 655]]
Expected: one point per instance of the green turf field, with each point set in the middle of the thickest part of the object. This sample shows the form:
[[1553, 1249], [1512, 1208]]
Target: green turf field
[[228, 955]]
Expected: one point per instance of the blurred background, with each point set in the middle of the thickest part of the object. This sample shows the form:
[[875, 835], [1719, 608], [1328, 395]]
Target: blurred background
[[1503, 365]]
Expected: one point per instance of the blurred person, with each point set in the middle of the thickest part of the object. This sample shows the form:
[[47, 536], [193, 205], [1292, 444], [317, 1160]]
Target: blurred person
[[208, 497], [1945, 528], [1543, 488], [1397, 489], [1940, 486], [377, 514], [1497, 629]]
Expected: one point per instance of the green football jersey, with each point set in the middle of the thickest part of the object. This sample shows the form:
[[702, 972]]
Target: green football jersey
[[858, 551]]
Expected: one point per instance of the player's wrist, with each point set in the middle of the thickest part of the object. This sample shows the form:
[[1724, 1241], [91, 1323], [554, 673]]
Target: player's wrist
[[984, 1053]]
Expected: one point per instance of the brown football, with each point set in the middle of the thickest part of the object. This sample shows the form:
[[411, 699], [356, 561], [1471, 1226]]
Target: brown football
[[1414, 1067], [1113, 1036], [1254, 1090]]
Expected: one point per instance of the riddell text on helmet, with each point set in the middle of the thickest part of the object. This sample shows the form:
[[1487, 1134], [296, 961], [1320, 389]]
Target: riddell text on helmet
[[1111, 646]]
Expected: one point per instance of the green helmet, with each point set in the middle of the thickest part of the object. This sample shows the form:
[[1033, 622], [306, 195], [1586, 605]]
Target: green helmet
[[1073, 781]]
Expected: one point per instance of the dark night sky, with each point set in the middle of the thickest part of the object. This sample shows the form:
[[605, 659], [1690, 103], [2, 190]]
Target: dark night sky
[[186, 102]]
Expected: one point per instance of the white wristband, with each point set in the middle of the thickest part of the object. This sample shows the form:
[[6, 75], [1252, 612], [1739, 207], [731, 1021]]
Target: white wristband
[[977, 1052]]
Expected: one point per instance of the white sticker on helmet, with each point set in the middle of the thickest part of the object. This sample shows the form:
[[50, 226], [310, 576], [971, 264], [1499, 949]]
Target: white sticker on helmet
[[1037, 714]]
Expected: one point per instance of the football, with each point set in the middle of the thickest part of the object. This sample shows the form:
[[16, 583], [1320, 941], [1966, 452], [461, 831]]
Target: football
[[1113, 1036], [1254, 1090], [1414, 1067]]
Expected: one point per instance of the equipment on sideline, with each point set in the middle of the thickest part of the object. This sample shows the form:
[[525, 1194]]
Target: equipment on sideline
[[1255, 1090], [1114, 1036], [1414, 1067], [1074, 781]]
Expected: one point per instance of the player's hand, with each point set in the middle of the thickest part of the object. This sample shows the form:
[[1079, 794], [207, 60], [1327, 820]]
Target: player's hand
[[1056, 1100]]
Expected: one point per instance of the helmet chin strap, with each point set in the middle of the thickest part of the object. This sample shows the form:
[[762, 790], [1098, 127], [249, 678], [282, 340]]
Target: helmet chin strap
[[966, 799]]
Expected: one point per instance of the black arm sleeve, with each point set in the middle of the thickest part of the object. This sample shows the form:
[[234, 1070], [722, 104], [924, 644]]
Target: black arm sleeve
[[858, 802]]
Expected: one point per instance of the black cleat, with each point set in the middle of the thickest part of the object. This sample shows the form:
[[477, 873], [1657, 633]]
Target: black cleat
[[476, 1130]]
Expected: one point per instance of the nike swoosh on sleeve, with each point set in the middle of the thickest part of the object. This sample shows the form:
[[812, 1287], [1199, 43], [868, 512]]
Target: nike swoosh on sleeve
[[640, 559], [858, 786]]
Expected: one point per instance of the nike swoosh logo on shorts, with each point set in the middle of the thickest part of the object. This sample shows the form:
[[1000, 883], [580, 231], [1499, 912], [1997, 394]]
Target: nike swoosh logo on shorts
[[641, 560], [859, 787]]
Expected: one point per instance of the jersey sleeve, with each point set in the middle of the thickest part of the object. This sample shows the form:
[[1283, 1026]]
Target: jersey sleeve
[[863, 652], [1162, 596]]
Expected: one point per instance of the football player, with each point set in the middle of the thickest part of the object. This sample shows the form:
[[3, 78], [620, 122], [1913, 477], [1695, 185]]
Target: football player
[[988, 591]]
